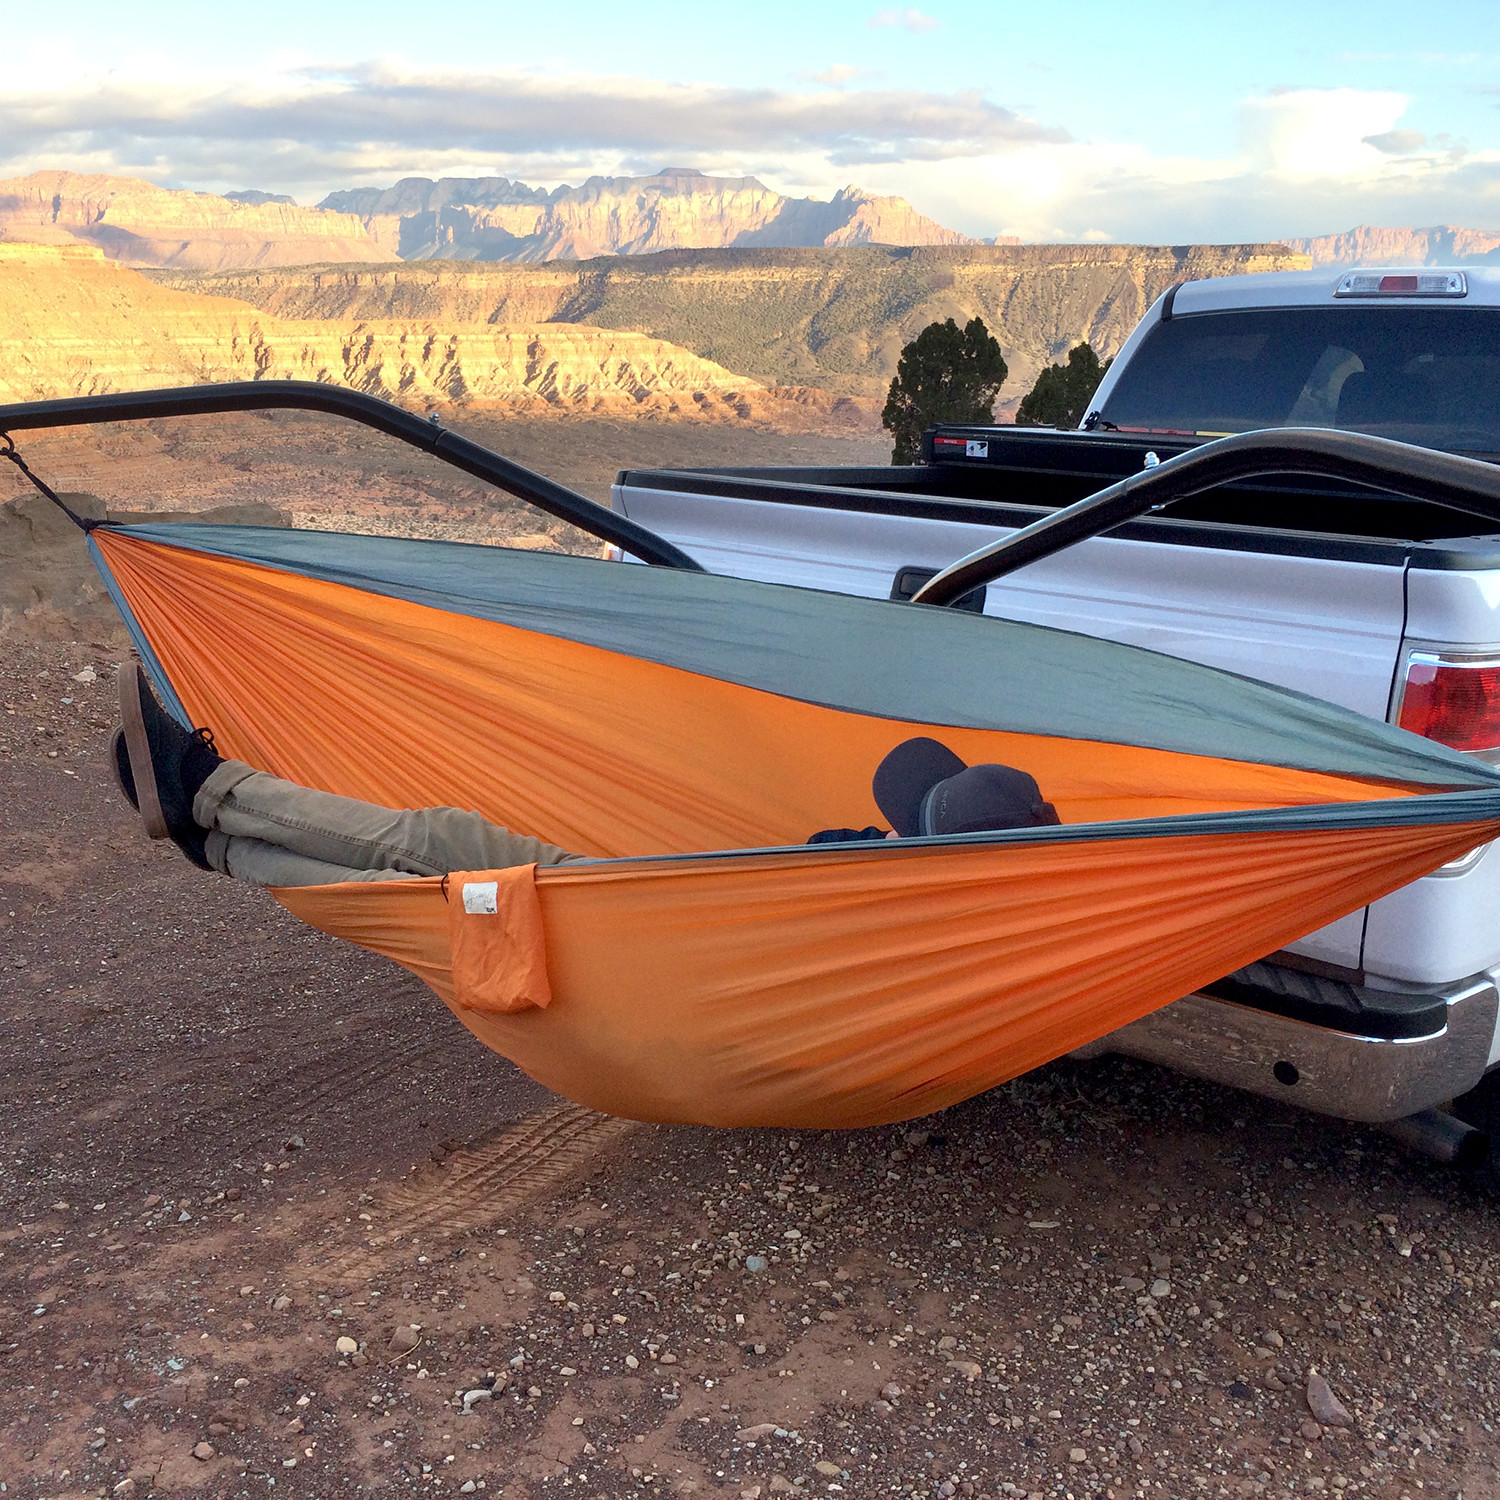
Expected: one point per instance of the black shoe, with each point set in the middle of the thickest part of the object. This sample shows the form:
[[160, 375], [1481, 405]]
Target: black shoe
[[156, 746], [119, 765]]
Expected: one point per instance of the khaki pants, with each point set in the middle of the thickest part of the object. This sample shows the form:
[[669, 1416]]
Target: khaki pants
[[270, 832]]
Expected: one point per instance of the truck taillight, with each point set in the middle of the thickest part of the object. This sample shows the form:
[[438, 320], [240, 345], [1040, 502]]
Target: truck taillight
[[1453, 699]]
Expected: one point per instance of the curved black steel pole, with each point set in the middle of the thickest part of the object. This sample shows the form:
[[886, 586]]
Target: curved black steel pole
[[307, 395], [1463, 484]]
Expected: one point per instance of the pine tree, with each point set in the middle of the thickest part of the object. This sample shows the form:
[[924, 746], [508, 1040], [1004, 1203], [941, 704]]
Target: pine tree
[[945, 375], [1062, 393]]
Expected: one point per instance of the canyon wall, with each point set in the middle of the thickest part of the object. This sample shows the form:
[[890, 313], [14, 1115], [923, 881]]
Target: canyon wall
[[831, 318], [140, 224], [74, 323], [1368, 245]]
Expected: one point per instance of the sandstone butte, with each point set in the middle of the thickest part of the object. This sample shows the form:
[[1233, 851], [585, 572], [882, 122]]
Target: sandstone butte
[[832, 319], [73, 323]]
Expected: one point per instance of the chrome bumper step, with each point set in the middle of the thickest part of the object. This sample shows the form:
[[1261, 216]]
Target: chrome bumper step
[[1441, 1048]]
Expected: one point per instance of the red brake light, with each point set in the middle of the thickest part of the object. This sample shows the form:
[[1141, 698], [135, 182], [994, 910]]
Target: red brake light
[[1453, 700], [1398, 283]]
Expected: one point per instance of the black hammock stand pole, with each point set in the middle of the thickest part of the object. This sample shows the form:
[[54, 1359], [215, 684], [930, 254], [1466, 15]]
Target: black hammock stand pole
[[1461, 484], [306, 395]]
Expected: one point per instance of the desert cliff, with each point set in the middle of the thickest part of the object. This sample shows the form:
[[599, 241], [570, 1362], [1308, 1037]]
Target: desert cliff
[[140, 224], [830, 318], [74, 323], [1368, 245]]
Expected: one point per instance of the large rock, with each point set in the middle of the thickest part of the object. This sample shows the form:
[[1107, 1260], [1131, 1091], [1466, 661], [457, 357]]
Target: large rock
[[49, 587]]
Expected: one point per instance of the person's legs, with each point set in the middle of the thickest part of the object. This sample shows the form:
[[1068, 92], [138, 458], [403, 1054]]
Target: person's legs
[[256, 862], [341, 833]]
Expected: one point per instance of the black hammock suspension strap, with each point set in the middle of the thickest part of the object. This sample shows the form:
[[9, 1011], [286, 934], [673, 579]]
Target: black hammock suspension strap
[[8, 450]]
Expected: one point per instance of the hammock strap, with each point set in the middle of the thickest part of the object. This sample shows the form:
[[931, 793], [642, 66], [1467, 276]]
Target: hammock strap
[[8, 450]]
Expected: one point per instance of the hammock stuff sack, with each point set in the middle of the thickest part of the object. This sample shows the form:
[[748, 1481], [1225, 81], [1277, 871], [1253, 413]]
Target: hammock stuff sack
[[689, 731]]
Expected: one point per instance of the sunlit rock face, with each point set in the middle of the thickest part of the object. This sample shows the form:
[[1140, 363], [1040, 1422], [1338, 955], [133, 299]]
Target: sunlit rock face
[[140, 224], [831, 318], [1371, 245], [74, 323]]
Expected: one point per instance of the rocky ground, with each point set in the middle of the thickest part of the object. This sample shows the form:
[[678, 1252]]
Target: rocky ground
[[304, 462], [319, 472], [273, 1224]]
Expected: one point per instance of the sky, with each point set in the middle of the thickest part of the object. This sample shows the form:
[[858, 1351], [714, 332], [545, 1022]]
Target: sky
[[1161, 121]]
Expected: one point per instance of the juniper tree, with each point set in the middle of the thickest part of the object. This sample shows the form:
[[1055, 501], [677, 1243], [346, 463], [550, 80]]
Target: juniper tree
[[945, 375], [1062, 393]]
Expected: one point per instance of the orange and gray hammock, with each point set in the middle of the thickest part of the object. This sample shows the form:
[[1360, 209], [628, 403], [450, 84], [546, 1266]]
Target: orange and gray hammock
[[688, 732]]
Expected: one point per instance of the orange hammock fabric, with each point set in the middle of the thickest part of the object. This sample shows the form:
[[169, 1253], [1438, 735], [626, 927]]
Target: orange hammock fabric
[[647, 717]]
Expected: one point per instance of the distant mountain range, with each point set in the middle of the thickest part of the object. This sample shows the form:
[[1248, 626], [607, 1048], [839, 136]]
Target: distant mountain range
[[479, 218], [493, 218], [1441, 245], [140, 224]]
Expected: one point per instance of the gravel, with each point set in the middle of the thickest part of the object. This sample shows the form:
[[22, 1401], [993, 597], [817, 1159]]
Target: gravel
[[1099, 1281]]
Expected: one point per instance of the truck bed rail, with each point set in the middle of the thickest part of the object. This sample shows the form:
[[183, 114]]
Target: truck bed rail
[[1462, 484]]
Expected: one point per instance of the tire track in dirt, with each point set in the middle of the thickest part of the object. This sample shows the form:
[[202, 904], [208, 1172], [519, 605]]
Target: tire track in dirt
[[355, 1072], [483, 1182]]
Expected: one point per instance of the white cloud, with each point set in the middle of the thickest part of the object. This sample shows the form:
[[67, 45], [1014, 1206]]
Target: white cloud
[[316, 127], [1317, 132], [908, 19], [1306, 161], [838, 73], [1304, 165]]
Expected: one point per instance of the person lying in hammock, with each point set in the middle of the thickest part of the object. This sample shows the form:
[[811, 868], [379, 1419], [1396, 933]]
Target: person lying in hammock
[[227, 816]]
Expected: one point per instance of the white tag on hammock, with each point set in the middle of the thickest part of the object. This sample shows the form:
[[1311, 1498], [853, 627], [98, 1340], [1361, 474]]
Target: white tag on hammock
[[480, 898]]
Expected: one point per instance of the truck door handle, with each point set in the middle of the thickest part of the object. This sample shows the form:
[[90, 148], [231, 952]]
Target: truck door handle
[[908, 580]]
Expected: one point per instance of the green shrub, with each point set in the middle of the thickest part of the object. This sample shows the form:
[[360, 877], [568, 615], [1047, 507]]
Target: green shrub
[[945, 375], [1062, 393]]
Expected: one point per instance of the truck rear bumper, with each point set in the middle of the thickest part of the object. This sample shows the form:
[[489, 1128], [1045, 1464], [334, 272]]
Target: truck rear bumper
[[1319, 1067]]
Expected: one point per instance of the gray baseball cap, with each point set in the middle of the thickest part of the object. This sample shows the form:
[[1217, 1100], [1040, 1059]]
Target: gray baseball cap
[[923, 788]]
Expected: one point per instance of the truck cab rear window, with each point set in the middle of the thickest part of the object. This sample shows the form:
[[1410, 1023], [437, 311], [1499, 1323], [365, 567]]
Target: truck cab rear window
[[1428, 375]]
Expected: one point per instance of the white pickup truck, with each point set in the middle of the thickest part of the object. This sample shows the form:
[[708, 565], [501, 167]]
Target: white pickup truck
[[1386, 603]]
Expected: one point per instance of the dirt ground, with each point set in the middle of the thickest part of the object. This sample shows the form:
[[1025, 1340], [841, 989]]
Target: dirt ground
[[273, 1224], [269, 468], [307, 462]]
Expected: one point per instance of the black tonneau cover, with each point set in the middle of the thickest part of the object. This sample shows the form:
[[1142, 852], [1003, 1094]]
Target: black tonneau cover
[[1009, 476]]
